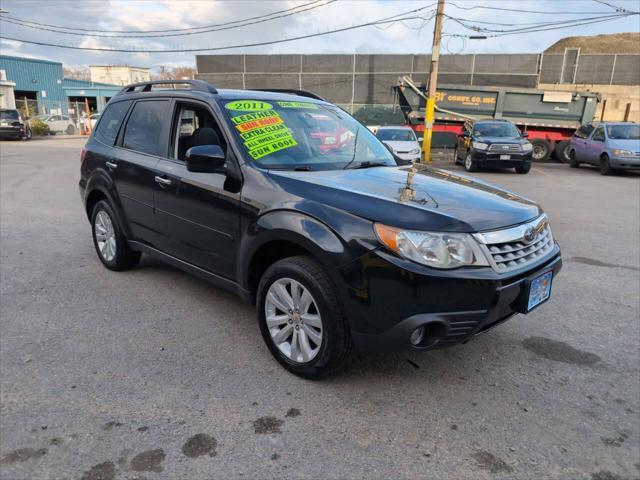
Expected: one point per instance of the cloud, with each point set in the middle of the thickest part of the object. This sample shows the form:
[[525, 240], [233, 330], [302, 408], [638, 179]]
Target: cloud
[[171, 14]]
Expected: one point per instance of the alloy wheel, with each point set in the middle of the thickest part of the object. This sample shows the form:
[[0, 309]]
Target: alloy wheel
[[105, 236], [293, 319], [468, 162]]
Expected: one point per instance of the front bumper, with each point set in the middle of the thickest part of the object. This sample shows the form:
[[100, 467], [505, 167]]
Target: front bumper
[[409, 157], [391, 297], [630, 163], [492, 159]]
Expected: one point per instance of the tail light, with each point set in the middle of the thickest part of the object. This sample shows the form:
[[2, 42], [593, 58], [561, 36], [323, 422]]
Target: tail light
[[83, 153]]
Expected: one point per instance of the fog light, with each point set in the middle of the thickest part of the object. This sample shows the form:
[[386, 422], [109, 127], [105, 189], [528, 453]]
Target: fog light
[[416, 336]]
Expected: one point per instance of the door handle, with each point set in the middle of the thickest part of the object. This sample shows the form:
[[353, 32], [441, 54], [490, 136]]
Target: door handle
[[111, 165], [162, 181]]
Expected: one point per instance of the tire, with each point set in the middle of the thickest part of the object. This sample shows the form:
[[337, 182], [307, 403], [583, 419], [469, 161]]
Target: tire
[[456, 159], [541, 150], [573, 161], [71, 130], [524, 168], [117, 256], [469, 164], [27, 135], [562, 151], [335, 339], [605, 165]]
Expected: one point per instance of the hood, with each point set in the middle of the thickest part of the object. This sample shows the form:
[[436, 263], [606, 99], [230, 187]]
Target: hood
[[490, 140], [625, 144], [401, 146], [442, 201]]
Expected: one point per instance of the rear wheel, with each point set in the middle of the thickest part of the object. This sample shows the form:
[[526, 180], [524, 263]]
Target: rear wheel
[[300, 318], [605, 165], [456, 159], [573, 161], [110, 244], [524, 168], [541, 150], [562, 151], [469, 164]]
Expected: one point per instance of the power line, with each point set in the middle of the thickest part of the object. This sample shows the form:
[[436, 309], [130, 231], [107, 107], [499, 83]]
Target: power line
[[615, 7], [504, 9], [463, 22], [162, 35], [392, 19], [78, 29]]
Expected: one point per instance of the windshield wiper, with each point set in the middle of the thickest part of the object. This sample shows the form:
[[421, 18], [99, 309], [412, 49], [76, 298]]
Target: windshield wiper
[[302, 168], [368, 164]]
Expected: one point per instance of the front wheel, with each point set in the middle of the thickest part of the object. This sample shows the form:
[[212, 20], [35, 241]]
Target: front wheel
[[301, 319], [110, 244], [524, 168], [27, 135], [469, 164], [605, 165], [456, 159], [71, 130]]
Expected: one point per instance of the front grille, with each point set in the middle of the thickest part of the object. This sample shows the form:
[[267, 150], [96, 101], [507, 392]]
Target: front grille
[[517, 247], [504, 147]]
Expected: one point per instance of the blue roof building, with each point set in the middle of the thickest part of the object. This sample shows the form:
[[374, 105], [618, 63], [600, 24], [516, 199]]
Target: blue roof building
[[41, 85]]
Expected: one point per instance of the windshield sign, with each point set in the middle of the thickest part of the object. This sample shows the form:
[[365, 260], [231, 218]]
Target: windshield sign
[[496, 130], [304, 136], [624, 132]]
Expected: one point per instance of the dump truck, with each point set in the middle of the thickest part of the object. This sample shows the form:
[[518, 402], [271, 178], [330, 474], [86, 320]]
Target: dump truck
[[549, 117]]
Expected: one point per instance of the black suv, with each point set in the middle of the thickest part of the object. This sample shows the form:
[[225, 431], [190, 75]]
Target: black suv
[[493, 143], [13, 126], [335, 244]]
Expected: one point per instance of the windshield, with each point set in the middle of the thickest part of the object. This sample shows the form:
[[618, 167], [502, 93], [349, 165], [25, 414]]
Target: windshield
[[303, 135], [44, 118], [496, 130], [624, 132], [9, 115], [397, 135]]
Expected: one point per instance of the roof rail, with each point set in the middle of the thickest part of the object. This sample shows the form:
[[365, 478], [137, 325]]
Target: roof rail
[[301, 93], [196, 85]]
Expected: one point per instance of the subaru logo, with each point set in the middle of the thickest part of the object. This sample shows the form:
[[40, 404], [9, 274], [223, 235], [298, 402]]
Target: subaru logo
[[530, 235]]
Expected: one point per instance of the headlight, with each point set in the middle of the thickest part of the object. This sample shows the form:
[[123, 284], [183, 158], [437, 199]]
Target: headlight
[[480, 145], [437, 250], [330, 140], [622, 153], [415, 151], [527, 147]]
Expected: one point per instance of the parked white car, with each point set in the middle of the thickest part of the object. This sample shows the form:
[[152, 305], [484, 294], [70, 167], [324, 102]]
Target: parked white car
[[59, 123], [402, 141]]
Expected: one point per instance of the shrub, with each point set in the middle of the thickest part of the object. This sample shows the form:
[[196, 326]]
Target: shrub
[[38, 127]]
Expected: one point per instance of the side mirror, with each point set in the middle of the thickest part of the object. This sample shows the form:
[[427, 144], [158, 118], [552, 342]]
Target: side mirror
[[420, 139], [525, 134], [205, 159], [465, 134]]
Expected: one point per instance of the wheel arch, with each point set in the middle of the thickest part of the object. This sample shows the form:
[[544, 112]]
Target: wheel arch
[[284, 234], [101, 187]]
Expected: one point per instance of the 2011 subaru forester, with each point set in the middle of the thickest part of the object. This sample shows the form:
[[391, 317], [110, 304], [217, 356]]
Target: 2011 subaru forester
[[336, 246]]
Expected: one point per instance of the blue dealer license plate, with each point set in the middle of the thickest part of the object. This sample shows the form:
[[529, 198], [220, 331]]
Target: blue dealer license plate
[[540, 290]]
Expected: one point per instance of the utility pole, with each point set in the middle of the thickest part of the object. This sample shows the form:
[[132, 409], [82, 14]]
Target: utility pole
[[433, 80]]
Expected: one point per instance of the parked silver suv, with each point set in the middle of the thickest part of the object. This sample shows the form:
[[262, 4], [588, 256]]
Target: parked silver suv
[[610, 145]]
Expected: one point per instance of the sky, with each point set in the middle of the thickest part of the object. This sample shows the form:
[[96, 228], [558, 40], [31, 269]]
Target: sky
[[411, 36]]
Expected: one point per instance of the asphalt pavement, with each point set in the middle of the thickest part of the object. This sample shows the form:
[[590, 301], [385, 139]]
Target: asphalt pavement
[[154, 374]]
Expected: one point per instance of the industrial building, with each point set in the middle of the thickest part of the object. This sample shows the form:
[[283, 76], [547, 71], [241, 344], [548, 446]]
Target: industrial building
[[119, 74], [38, 86]]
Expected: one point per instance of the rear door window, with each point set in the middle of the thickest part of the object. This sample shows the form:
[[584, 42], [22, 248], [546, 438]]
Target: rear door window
[[144, 130], [107, 130]]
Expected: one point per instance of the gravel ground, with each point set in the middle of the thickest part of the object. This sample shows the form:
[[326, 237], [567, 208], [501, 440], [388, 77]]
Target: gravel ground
[[155, 374]]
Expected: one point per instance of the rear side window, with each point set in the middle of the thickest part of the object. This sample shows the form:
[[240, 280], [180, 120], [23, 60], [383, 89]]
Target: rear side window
[[144, 127], [107, 129]]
